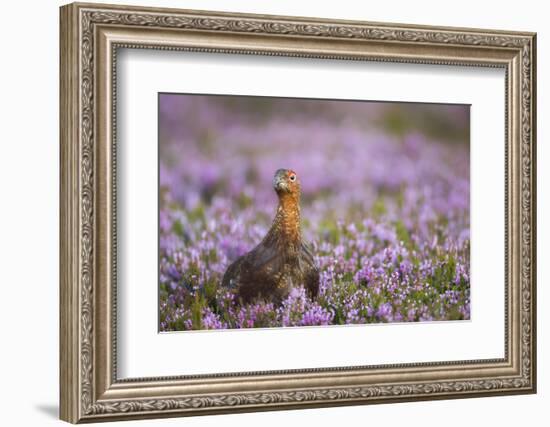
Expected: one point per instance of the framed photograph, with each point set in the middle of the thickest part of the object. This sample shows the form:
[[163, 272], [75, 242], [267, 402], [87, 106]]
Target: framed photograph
[[266, 213]]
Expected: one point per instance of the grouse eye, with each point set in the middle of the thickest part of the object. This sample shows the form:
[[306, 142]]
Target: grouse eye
[[292, 177]]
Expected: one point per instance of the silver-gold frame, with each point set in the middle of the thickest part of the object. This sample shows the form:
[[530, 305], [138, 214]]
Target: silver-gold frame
[[90, 37]]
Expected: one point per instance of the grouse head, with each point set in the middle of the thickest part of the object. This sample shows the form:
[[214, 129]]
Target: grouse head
[[286, 183]]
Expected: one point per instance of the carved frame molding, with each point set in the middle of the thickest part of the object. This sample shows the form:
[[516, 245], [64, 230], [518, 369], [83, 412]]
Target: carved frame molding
[[90, 37]]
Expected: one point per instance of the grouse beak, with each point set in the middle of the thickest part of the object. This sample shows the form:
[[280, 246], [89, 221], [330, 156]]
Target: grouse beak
[[279, 182]]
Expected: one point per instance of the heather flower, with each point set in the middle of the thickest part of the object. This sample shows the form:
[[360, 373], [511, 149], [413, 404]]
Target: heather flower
[[384, 311]]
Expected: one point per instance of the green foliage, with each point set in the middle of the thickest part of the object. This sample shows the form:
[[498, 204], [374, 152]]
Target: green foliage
[[403, 234], [196, 311], [379, 208], [330, 231], [197, 214]]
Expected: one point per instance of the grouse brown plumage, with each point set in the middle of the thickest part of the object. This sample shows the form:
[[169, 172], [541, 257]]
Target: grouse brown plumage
[[282, 260]]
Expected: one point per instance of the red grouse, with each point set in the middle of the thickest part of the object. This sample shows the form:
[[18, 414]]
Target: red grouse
[[282, 260]]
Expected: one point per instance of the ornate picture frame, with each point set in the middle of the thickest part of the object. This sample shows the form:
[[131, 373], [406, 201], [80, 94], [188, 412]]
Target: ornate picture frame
[[90, 37]]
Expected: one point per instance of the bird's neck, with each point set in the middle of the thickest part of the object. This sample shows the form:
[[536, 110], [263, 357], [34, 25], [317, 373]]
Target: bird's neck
[[286, 227]]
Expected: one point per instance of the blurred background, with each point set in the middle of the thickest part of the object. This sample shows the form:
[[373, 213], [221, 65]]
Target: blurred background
[[366, 153]]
